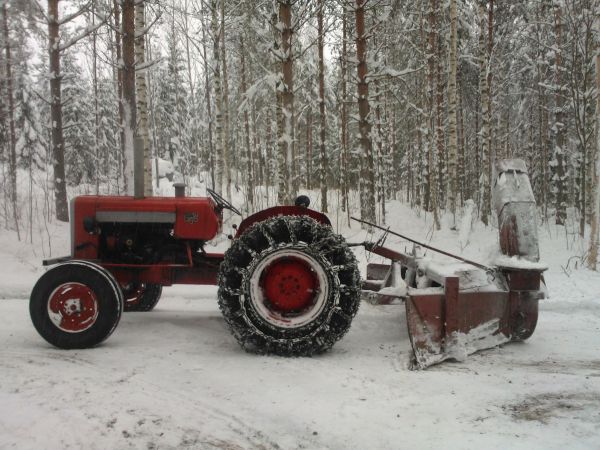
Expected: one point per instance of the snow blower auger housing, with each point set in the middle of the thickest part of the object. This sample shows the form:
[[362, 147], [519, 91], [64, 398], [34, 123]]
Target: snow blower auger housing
[[453, 310], [288, 284]]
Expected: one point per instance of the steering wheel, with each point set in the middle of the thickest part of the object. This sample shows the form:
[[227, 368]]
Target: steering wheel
[[222, 203]]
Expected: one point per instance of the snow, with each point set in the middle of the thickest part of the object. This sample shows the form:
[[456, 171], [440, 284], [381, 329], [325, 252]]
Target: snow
[[165, 168], [175, 378], [464, 230], [514, 262]]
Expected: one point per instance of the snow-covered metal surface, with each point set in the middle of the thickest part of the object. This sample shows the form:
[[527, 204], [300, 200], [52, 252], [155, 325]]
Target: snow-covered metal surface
[[513, 200], [459, 345]]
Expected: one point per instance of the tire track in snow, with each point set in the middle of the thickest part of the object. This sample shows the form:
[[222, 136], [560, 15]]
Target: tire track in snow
[[118, 385], [254, 436]]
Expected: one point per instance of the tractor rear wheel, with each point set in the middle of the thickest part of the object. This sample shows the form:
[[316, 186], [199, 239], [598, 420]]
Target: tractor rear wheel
[[141, 297], [289, 286], [76, 305]]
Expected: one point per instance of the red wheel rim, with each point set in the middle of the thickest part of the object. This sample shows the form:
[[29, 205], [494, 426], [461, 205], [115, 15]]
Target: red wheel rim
[[73, 307], [290, 285], [133, 295]]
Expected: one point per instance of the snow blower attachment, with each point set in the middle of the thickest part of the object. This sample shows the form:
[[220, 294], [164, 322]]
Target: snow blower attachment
[[453, 310]]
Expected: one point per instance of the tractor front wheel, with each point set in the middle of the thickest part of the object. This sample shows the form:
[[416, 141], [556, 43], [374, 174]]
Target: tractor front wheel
[[289, 286], [76, 305]]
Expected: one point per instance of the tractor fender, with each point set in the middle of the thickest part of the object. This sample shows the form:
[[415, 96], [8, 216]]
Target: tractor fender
[[275, 211]]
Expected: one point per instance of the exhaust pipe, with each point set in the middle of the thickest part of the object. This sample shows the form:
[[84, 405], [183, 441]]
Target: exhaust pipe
[[179, 189]]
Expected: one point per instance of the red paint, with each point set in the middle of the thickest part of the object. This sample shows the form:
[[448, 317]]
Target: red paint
[[204, 272], [195, 217], [77, 306], [289, 285]]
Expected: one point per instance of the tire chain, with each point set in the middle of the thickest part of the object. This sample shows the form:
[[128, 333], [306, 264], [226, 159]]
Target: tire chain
[[300, 345]]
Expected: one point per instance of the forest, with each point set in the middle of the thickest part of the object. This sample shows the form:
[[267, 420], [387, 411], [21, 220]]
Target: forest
[[361, 101]]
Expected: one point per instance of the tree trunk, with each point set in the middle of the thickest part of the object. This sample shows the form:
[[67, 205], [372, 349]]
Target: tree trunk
[[593, 251], [432, 64], [220, 138], [12, 154], [440, 142], [344, 176], [259, 174], [249, 157], [484, 184], [142, 97], [211, 151], [323, 162], [128, 99], [379, 158], [96, 106], [58, 142], [225, 109], [309, 149], [118, 45], [286, 119], [461, 172], [421, 187], [269, 150], [367, 171], [452, 116], [559, 148]]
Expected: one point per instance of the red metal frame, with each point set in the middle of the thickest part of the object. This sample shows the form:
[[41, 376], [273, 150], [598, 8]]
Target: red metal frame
[[168, 274], [437, 316]]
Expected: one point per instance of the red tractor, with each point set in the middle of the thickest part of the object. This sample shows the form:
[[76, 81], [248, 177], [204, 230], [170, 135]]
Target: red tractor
[[288, 284]]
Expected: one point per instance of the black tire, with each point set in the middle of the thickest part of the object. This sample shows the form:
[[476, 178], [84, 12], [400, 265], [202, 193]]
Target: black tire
[[101, 292], [243, 301], [141, 297], [524, 320]]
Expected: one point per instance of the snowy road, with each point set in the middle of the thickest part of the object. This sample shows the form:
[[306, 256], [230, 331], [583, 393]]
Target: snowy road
[[175, 378]]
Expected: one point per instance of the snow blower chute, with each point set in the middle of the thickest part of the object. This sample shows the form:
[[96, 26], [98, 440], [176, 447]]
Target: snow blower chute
[[453, 310]]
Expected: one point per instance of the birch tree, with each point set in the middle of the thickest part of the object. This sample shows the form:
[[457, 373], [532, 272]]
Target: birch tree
[[128, 98], [222, 165], [141, 93], [367, 171], [323, 161], [12, 155], [592, 259]]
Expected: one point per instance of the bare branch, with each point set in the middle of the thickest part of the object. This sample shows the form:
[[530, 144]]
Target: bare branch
[[148, 64], [89, 30], [145, 30], [73, 16], [41, 8]]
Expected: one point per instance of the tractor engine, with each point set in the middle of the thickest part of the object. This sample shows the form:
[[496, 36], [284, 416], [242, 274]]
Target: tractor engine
[[143, 243], [149, 231]]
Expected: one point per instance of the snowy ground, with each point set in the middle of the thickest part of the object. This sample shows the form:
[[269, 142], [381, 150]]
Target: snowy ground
[[175, 378]]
